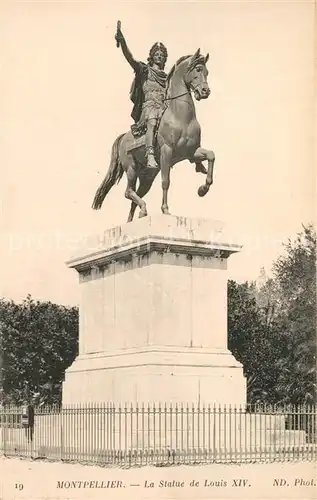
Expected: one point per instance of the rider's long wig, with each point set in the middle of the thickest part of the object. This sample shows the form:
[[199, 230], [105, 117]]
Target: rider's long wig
[[154, 48]]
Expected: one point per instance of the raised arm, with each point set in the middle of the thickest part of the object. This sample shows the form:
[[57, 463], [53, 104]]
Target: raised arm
[[125, 50]]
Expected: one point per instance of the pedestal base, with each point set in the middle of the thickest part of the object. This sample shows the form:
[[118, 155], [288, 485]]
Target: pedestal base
[[156, 374], [153, 316]]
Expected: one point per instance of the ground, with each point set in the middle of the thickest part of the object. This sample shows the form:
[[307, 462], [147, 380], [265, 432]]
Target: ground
[[25, 479]]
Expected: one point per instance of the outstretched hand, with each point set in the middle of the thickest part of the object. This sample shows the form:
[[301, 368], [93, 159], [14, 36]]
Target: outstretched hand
[[119, 36]]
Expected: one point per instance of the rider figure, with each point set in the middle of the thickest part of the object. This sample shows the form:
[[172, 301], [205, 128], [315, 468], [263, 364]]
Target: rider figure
[[147, 93]]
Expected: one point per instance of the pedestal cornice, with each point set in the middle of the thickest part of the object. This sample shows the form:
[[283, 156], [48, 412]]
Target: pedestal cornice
[[178, 235]]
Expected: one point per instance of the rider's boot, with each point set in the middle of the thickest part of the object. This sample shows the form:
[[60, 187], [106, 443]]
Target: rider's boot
[[151, 162], [149, 144]]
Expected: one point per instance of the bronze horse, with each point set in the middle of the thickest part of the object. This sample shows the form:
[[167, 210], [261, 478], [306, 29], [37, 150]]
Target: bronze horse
[[178, 139]]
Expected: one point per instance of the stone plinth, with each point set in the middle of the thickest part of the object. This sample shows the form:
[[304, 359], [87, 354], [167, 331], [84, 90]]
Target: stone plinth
[[153, 315]]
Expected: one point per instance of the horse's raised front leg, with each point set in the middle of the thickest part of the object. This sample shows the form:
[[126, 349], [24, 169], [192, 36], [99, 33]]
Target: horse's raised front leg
[[165, 163], [200, 155], [200, 167]]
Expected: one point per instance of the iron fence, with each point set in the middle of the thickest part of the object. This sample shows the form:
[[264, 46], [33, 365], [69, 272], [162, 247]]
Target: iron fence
[[161, 434]]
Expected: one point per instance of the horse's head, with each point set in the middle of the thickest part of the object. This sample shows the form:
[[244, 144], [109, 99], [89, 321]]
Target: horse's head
[[196, 75]]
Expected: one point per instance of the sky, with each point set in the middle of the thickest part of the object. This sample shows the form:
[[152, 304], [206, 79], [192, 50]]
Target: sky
[[65, 98]]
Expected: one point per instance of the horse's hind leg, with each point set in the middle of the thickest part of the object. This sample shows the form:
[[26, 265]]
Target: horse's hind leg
[[131, 186], [132, 210], [166, 157], [132, 195], [146, 182]]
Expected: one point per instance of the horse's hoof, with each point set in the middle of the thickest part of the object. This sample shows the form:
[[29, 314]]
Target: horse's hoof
[[143, 213], [202, 190]]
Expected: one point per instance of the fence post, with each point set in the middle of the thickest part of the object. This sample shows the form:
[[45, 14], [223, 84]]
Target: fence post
[[61, 432], [4, 426]]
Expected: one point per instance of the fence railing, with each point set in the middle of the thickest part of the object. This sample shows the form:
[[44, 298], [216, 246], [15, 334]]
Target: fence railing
[[160, 434]]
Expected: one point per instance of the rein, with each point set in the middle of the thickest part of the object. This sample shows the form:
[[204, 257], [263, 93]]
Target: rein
[[177, 96], [181, 95]]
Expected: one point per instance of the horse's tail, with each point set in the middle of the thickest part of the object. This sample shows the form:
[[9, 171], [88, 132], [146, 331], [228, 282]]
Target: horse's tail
[[114, 174]]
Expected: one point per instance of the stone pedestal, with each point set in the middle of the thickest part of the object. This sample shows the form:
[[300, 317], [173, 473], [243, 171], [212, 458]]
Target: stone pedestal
[[153, 316]]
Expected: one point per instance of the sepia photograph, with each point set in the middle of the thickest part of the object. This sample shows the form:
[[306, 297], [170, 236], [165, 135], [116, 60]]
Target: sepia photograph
[[158, 250]]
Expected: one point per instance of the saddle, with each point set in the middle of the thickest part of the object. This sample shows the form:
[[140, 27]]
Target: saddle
[[138, 131]]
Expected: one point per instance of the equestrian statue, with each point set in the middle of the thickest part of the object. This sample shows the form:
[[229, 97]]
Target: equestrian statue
[[165, 129]]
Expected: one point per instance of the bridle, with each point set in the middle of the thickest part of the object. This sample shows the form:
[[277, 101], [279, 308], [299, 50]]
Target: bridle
[[190, 68], [181, 95]]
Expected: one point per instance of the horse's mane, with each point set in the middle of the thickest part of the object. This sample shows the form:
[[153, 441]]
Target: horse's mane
[[171, 72]]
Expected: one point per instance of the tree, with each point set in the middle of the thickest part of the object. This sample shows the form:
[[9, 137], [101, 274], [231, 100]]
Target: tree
[[295, 278], [250, 341], [267, 297], [272, 326], [39, 341]]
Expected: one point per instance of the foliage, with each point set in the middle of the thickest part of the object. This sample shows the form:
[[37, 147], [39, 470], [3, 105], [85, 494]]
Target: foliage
[[272, 327], [250, 341], [295, 275], [38, 342]]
